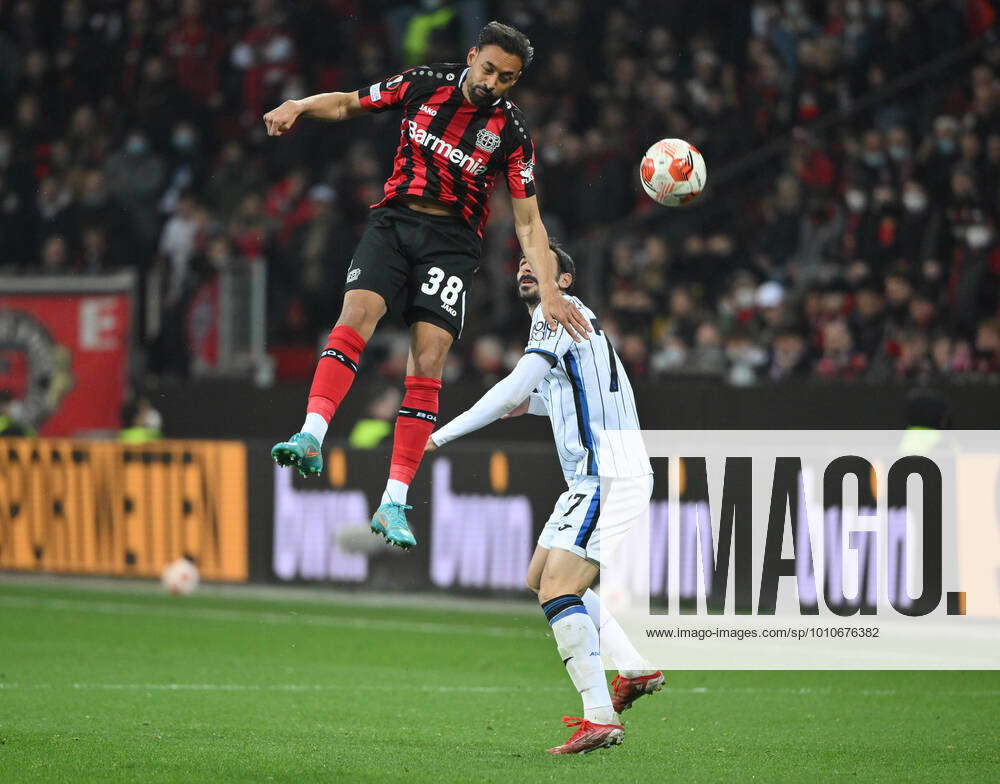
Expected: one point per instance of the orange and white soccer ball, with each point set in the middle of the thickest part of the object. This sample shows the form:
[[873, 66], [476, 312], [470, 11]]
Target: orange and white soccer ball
[[180, 577], [673, 172]]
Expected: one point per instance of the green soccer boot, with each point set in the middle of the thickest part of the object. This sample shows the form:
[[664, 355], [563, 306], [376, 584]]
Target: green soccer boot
[[389, 520], [302, 451]]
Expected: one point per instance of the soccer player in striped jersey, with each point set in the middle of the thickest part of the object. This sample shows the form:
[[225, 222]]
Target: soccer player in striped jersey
[[459, 133], [585, 392]]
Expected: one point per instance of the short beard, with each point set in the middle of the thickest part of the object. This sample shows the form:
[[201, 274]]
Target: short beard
[[530, 299], [486, 100]]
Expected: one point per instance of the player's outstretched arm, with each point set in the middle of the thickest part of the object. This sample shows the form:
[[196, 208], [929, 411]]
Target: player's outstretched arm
[[535, 245], [533, 404], [505, 396], [329, 107]]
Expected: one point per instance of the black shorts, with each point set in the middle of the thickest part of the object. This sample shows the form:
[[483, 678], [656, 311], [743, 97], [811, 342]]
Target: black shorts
[[421, 264]]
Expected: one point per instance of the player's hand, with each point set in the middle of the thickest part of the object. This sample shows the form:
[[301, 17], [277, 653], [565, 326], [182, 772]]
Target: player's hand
[[518, 410], [430, 446], [558, 310], [279, 120]]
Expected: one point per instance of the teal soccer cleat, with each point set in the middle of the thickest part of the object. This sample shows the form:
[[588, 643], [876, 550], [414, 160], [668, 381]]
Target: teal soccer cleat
[[302, 451], [390, 521]]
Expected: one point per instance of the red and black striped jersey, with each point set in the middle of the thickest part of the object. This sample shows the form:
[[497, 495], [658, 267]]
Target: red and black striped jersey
[[449, 149]]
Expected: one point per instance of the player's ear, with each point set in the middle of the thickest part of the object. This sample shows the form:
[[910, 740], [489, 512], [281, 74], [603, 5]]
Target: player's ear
[[564, 281], [471, 56]]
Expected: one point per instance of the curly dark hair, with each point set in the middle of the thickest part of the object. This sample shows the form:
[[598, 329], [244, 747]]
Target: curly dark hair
[[508, 38]]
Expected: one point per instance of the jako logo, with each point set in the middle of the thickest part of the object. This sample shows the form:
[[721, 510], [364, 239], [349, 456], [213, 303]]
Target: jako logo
[[428, 110], [471, 164]]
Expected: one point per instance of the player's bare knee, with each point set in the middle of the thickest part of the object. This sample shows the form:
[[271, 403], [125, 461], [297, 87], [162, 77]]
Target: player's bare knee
[[549, 589], [359, 318], [361, 313]]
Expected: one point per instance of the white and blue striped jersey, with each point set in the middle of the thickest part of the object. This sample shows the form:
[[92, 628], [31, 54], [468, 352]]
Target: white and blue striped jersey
[[586, 393]]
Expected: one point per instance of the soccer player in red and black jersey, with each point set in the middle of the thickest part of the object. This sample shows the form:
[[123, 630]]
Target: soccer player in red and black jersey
[[421, 248]]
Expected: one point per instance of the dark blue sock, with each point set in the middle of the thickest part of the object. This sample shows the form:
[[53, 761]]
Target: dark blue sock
[[562, 606]]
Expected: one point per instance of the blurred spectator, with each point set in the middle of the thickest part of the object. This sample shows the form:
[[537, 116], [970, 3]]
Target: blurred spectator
[[376, 425], [141, 423], [839, 361], [789, 359], [134, 174], [707, 355], [431, 33], [195, 52], [55, 256], [987, 347], [178, 244], [745, 357], [266, 56]]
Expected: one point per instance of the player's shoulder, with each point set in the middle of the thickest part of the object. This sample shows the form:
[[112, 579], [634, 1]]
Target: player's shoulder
[[511, 109], [437, 73], [516, 125]]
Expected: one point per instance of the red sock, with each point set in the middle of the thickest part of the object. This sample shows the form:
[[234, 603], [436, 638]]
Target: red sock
[[335, 372], [415, 423]]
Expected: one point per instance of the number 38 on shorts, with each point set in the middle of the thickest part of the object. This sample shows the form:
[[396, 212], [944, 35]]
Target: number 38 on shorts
[[441, 291], [451, 289]]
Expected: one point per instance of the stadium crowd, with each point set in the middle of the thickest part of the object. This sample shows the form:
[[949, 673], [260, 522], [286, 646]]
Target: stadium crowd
[[861, 245]]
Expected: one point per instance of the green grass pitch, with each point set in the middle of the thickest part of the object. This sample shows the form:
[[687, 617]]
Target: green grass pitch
[[103, 684]]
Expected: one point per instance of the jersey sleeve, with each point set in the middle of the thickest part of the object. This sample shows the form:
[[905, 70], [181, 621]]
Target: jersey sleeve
[[502, 398], [391, 91], [521, 161], [550, 343]]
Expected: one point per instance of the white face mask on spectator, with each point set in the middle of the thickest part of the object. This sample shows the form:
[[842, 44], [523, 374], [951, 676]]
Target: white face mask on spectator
[[978, 236], [184, 139], [856, 200], [152, 419], [899, 152], [915, 200], [136, 145]]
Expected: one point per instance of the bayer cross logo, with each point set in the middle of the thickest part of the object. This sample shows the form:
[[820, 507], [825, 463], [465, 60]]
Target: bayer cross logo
[[487, 140]]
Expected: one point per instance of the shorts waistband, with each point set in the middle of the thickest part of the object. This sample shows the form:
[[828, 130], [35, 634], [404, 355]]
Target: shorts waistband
[[398, 206]]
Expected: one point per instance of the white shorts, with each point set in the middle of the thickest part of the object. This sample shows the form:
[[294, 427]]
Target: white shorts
[[596, 508]]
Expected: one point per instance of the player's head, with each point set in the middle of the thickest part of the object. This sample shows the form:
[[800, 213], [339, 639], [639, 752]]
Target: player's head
[[495, 63], [527, 283]]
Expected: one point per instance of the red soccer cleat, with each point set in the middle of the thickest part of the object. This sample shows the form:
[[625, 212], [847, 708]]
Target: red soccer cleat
[[625, 691], [589, 737]]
